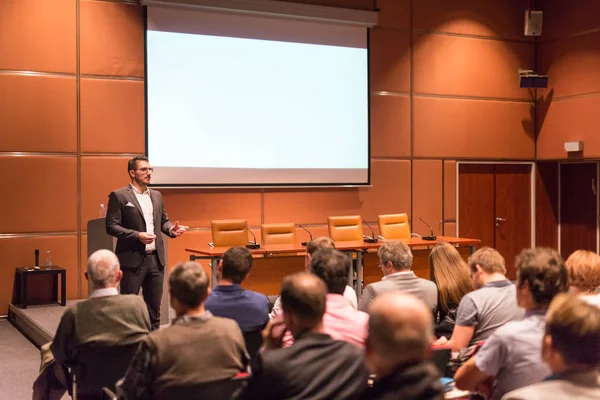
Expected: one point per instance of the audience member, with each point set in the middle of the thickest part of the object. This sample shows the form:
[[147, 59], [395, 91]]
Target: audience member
[[400, 331], [315, 366], [395, 261], [511, 356], [571, 348], [321, 242], [229, 300], [106, 318], [487, 308], [584, 275], [196, 348], [451, 275]]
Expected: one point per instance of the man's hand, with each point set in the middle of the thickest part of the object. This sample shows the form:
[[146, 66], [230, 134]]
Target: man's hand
[[179, 230], [146, 237], [269, 341]]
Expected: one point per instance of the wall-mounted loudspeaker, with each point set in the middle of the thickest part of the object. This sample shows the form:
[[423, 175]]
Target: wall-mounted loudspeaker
[[533, 23]]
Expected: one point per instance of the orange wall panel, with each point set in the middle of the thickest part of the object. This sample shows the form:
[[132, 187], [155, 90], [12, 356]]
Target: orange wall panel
[[390, 60], [451, 65], [39, 113], [390, 126], [99, 177], [390, 190], [449, 190], [394, 13], [112, 38], [570, 120], [38, 35], [40, 194], [196, 208], [427, 196], [562, 18], [193, 239], [112, 116], [457, 128], [492, 18], [572, 65], [19, 252]]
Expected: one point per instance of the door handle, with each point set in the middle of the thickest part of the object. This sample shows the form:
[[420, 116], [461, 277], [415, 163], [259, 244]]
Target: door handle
[[499, 220]]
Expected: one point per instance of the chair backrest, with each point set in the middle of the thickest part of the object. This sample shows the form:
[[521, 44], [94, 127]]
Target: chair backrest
[[278, 233], [215, 390], [229, 232], [394, 226], [345, 228], [99, 366], [254, 342]]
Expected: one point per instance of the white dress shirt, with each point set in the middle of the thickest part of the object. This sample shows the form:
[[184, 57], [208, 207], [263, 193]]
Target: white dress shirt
[[148, 210], [111, 291]]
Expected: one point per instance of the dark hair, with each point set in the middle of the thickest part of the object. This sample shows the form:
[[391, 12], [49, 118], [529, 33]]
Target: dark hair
[[321, 242], [545, 272], [333, 267], [237, 262], [132, 164], [574, 327], [188, 283], [305, 296]]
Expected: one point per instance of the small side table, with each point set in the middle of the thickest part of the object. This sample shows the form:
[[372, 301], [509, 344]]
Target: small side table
[[22, 273]]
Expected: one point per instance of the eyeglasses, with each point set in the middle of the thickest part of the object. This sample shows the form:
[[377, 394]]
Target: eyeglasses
[[146, 169]]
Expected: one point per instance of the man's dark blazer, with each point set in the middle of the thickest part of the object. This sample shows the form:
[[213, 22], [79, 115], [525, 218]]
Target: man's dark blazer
[[125, 222], [314, 367]]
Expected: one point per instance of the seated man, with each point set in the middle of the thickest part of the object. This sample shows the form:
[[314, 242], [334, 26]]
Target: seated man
[[196, 348], [107, 318], [395, 260], [584, 275], [491, 305], [229, 300], [571, 348], [316, 366], [321, 242], [512, 355], [400, 333]]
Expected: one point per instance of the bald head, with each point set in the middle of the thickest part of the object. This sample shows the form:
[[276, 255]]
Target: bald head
[[303, 296], [400, 328], [103, 269]]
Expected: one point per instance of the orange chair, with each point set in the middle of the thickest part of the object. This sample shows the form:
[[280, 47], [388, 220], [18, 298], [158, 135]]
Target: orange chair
[[230, 232], [394, 226], [345, 228], [278, 234]]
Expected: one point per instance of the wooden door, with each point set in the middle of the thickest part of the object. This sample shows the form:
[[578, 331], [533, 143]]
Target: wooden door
[[578, 207], [476, 202], [513, 212]]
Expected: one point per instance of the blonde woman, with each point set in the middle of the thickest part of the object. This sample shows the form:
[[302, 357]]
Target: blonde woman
[[451, 275], [584, 275]]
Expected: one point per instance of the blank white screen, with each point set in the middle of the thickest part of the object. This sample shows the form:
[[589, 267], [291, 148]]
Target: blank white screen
[[242, 111]]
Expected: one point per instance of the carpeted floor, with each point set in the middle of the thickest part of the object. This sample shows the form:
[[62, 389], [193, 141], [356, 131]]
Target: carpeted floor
[[19, 363]]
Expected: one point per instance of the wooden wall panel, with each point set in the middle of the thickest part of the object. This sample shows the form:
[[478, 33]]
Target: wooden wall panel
[[457, 128], [112, 116], [546, 204], [451, 65], [192, 239], [19, 252], [394, 13], [39, 113], [40, 194], [112, 38], [492, 18], [390, 126], [569, 120], [427, 196], [562, 18], [390, 60], [37, 35]]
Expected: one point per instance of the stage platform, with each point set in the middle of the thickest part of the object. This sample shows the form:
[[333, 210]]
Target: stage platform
[[37, 323]]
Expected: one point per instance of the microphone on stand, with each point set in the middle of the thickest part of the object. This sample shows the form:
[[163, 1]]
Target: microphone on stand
[[432, 235], [372, 238], [252, 244], [309, 234]]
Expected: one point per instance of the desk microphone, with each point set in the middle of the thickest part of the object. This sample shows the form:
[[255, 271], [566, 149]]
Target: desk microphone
[[309, 234], [372, 238], [252, 244], [432, 235]]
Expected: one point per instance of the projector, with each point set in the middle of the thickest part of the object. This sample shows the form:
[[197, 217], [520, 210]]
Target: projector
[[529, 79]]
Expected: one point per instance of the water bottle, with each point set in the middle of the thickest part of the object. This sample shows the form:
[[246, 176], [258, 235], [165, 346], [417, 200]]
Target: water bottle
[[102, 211], [48, 259]]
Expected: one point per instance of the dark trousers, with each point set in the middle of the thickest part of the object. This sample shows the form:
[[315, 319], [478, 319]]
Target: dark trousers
[[149, 277]]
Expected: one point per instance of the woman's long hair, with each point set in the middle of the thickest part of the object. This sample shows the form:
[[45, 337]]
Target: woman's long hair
[[450, 273]]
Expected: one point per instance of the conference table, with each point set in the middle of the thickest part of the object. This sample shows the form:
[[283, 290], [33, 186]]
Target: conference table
[[354, 249]]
